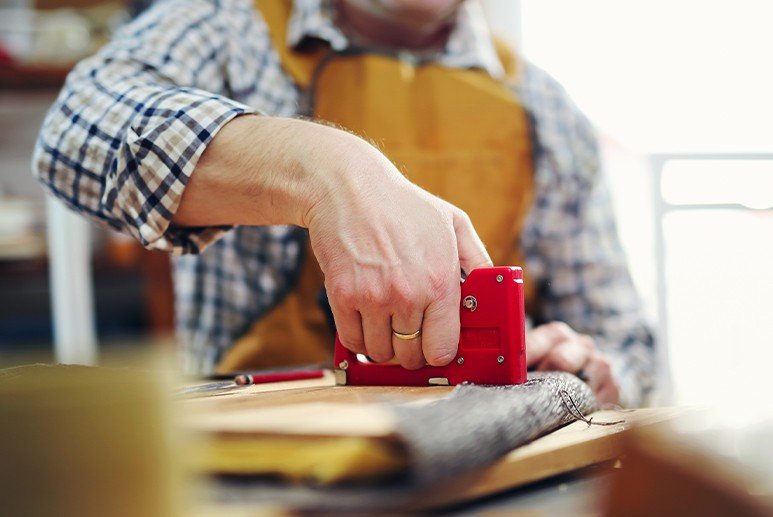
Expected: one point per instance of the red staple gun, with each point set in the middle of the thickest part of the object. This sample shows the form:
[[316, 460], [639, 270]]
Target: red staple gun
[[492, 342]]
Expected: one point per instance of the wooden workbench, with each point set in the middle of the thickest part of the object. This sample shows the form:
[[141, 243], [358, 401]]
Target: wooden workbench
[[314, 408]]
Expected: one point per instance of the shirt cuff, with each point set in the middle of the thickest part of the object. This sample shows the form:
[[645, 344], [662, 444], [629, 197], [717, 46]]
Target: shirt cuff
[[165, 140]]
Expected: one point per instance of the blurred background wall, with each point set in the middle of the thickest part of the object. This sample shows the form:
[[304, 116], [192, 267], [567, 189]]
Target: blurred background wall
[[39, 42]]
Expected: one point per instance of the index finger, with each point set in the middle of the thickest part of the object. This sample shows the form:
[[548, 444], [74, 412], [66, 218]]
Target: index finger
[[440, 330], [472, 252]]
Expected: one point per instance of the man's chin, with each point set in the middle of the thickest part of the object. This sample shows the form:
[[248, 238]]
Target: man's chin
[[413, 12]]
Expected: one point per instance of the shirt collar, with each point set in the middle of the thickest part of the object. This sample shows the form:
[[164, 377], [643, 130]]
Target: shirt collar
[[469, 44]]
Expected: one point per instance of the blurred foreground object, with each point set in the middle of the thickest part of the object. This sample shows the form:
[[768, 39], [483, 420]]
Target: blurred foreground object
[[84, 441], [663, 474]]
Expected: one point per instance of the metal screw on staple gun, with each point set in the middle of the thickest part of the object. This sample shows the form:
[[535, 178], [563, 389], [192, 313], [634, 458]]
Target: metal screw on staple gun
[[470, 303], [501, 359], [460, 360], [500, 278], [343, 365]]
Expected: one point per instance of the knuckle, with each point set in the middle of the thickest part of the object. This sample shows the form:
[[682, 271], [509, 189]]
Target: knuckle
[[463, 216], [436, 281], [374, 296], [439, 284], [403, 294], [559, 361], [412, 309], [342, 294], [560, 329]]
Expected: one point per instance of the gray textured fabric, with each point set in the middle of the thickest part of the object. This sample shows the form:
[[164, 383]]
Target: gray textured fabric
[[469, 428], [478, 424]]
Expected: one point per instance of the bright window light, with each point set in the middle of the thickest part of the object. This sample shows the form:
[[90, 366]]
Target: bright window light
[[720, 280], [662, 75], [697, 182], [683, 77]]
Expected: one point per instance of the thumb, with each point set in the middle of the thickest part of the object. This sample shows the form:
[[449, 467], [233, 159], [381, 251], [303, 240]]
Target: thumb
[[472, 252]]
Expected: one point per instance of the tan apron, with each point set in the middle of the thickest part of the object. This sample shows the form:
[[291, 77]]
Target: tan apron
[[457, 133]]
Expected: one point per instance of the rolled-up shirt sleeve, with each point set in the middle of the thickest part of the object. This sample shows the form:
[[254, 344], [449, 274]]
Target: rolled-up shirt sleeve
[[125, 134]]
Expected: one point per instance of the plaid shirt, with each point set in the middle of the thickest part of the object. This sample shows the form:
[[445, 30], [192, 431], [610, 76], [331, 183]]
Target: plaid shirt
[[131, 122]]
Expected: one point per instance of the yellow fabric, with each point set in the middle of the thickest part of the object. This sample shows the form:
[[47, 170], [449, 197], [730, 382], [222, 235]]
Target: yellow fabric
[[322, 460], [459, 134], [300, 65]]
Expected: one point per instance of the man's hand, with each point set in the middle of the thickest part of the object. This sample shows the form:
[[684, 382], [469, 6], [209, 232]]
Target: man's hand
[[391, 252], [555, 346]]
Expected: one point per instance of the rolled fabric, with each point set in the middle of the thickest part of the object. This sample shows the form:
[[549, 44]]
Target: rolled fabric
[[478, 424]]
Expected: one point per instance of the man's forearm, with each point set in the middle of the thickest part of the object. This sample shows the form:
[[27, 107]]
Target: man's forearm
[[262, 170]]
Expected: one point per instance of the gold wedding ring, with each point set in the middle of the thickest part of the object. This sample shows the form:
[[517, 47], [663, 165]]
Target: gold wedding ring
[[406, 337]]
